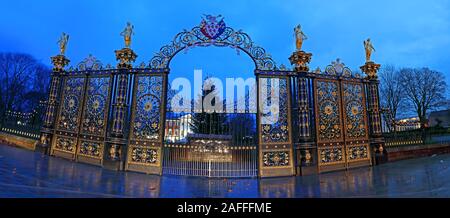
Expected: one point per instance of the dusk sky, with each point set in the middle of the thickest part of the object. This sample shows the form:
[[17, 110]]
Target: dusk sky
[[409, 33]]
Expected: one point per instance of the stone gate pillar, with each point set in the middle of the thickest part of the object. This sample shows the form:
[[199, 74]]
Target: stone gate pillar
[[304, 147], [114, 157], [47, 130], [379, 153]]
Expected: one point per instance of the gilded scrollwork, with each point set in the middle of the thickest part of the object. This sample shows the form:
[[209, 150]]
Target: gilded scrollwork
[[144, 155], [341, 116], [90, 63], [277, 128], [357, 152], [329, 118], [146, 122], [213, 31], [276, 158], [354, 110], [337, 68], [95, 110], [65, 144], [331, 155], [70, 110], [92, 149]]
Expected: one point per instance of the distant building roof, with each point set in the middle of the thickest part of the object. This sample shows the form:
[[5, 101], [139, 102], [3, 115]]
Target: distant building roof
[[441, 118]]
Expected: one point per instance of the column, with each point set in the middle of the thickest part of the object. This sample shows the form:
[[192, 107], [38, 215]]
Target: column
[[114, 157], [305, 148], [379, 153], [47, 130]]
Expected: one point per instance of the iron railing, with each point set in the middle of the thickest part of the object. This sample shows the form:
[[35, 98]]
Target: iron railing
[[189, 160], [418, 137], [26, 125], [210, 144]]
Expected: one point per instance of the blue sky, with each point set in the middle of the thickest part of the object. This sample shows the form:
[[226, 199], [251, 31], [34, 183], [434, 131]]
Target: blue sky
[[405, 33]]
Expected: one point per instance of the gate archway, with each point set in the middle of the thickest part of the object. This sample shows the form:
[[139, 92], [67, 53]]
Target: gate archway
[[219, 152], [213, 32]]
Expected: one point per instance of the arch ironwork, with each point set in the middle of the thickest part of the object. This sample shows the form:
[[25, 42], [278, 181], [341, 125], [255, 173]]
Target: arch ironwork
[[213, 31]]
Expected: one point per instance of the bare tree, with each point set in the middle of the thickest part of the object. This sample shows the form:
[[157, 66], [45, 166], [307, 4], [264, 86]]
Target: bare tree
[[425, 90], [392, 95], [24, 81]]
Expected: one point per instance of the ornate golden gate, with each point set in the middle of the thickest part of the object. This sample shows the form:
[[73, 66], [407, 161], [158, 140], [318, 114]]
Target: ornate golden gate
[[341, 119], [115, 117], [275, 136], [83, 116], [147, 122], [69, 117]]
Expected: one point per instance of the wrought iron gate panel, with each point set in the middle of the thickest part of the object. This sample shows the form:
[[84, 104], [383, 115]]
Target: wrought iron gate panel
[[94, 120], [147, 122], [355, 122], [68, 121], [275, 139], [277, 132], [330, 139], [341, 119]]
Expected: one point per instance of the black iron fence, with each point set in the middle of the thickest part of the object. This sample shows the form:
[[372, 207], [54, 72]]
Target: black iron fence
[[418, 137], [24, 124], [210, 144]]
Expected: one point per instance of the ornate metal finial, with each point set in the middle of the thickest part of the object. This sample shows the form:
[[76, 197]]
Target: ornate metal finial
[[317, 70], [59, 62], [127, 33], [371, 70], [300, 60], [126, 57], [299, 37], [90, 63], [282, 67], [369, 48], [62, 42], [338, 68]]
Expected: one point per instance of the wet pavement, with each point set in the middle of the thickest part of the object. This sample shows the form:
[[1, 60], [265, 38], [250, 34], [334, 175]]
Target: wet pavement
[[28, 174]]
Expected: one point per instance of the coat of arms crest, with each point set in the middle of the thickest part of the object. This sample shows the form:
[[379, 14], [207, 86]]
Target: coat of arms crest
[[212, 26]]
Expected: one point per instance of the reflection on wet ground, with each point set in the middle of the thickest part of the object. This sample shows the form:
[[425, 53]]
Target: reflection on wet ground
[[28, 174]]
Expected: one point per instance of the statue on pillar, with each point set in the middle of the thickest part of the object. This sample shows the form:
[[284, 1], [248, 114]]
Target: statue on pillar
[[60, 61], [299, 58], [126, 56], [370, 68], [62, 42], [126, 33], [369, 48], [299, 37]]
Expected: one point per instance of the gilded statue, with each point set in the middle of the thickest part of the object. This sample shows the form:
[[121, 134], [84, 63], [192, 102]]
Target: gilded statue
[[299, 37], [126, 33], [369, 48], [63, 43]]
